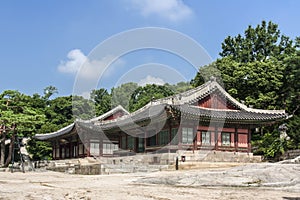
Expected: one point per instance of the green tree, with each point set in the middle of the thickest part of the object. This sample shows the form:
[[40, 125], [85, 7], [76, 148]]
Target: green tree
[[121, 95], [206, 72], [40, 150], [258, 44], [290, 93], [179, 87], [102, 101], [17, 113], [143, 95], [293, 131], [59, 112], [49, 91]]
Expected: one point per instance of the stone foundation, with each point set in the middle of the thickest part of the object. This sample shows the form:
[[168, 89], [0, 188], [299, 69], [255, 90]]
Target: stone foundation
[[150, 162]]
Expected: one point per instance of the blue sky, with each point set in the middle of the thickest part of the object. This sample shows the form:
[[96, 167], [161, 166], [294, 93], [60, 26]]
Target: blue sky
[[44, 42]]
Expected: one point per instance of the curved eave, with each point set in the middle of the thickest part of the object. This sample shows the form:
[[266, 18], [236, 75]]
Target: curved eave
[[61, 132], [228, 116]]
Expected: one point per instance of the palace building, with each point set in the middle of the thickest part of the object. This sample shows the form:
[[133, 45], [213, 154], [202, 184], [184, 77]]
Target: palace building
[[203, 118]]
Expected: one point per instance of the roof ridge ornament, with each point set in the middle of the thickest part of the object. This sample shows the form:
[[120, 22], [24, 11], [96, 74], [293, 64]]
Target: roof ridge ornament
[[213, 79]]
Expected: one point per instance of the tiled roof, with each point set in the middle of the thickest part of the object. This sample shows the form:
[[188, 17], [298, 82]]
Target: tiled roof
[[156, 110], [109, 113], [229, 115], [58, 133]]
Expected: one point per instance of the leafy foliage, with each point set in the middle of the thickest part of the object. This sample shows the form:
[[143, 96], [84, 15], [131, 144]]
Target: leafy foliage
[[258, 44], [102, 101], [17, 113], [40, 150], [143, 95], [179, 87], [122, 94], [261, 69]]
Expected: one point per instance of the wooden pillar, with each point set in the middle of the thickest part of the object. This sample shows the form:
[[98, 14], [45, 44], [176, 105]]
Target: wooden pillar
[[216, 138], [54, 149], [101, 147], [86, 146], [194, 137], [136, 144], [179, 133], [77, 140], [198, 139], [236, 139], [157, 136], [70, 148], [120, 140], [126, 136], [60, 150], [249, 140], [145, 140]]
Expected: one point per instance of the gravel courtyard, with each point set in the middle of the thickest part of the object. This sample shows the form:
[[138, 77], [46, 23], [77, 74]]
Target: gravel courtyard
[[250, 181]]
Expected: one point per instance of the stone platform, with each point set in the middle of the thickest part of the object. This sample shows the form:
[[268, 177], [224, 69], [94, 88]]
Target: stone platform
[[149, 162]]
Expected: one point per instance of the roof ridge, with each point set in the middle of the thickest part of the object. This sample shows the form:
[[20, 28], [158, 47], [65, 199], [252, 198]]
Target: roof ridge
[[108, 113]]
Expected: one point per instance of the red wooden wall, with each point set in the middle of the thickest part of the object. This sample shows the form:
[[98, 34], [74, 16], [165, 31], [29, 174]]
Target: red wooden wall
[[216, 102]]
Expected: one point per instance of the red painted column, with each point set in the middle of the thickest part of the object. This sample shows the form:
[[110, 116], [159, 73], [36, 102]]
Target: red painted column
[[249, 141], [216, 138], [236, 139]]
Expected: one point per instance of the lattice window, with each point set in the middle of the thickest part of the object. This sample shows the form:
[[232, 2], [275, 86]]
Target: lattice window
[[164, 137], [226, 138], [109, 148], [131, 142], [94, 149], [205, 137], [187, 135], [174, 136]]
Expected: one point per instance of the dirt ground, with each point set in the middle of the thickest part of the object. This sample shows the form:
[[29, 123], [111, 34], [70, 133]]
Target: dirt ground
[[251, 181]]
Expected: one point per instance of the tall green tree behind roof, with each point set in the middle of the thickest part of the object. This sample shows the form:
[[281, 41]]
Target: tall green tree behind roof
[[258, 44]]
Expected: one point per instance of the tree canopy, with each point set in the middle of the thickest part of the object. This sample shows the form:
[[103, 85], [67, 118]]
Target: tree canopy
[[143, 95], [258, 44], [261, 68]]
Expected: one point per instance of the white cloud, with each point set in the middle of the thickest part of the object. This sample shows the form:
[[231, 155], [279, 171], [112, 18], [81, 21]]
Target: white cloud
[[75, 60], [89, 71], [172, 10], [80, 64], [151, 80]]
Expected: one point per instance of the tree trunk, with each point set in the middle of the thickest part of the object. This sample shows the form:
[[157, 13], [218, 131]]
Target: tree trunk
[[2, 148], [10, 150]]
